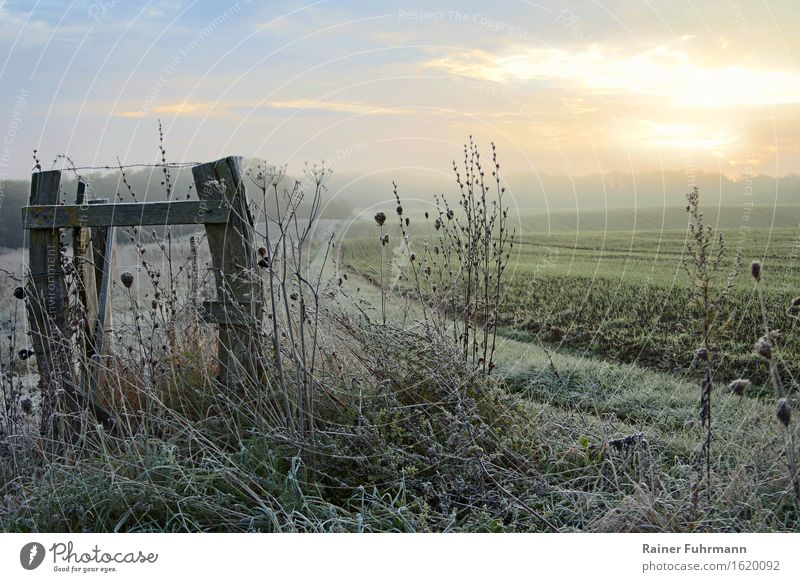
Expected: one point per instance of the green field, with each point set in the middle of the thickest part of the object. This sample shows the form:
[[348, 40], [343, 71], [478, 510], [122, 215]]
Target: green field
[[622, 294], [624, 297]]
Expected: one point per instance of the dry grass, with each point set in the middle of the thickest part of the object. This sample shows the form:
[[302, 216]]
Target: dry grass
[[371, 416]]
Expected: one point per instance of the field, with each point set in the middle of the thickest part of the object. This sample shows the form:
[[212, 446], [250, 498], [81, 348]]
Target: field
[[601, 341], [622, 294], [589, 423]]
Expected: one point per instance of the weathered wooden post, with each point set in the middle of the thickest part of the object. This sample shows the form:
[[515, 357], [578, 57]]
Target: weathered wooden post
[[93, 250], [103, 243], [194, 272], [47, 309], [238, 307], [86, 282], [103, 327]]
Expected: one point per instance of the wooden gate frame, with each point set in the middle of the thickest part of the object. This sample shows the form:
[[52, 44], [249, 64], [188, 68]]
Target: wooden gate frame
[[222, 208]]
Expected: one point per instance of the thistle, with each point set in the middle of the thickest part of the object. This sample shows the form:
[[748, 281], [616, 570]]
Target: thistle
[[763, 347], [262, 262], [784, 412], [380, 220], [755, 271], [739, 386], [127, 279]]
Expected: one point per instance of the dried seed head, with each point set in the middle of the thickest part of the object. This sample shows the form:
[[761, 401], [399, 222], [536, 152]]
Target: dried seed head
[[380, 218], [426, 216], [437, 224], [262, 252], [408, 221], [127, 279], [19, 293], [702, 354], [385, 239], [763, 347], [25, 353], [739, 385], [755, 270], [450, 215], [784, 413], [413, 257], [399, 210]]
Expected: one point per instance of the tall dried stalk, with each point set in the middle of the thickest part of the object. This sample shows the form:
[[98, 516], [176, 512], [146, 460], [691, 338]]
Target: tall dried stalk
[[475, 249], [702, 261], [292, 289]]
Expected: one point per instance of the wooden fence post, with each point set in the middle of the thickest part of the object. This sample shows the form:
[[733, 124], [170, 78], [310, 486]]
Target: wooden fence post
[[87, 290], [194, 273], [47, 309], [103, 243], [238, 307]]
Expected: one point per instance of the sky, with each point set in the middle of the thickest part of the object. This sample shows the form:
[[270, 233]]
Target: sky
[[562, 87]]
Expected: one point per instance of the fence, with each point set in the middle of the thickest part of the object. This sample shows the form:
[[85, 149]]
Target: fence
[[222, 207]]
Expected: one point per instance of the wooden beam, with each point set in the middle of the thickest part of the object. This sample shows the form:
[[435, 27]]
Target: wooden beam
[[226, 313], [99, 235], [234, 259], [47, 310], [103, 328], [86, 282], [125, 214]]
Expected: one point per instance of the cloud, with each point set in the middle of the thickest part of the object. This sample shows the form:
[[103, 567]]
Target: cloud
[[338, 106], [37, 31], [189, 109], [659, 72], [184, 108]]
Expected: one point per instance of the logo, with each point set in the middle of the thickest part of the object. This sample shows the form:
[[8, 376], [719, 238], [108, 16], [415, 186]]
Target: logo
[[31, 555]]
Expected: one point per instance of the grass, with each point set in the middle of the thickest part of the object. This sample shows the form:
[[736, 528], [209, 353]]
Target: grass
[[567, 412], [589, 422], [622, 296]]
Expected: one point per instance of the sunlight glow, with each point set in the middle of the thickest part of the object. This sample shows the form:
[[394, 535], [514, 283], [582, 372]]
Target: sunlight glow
[[659, 72]]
